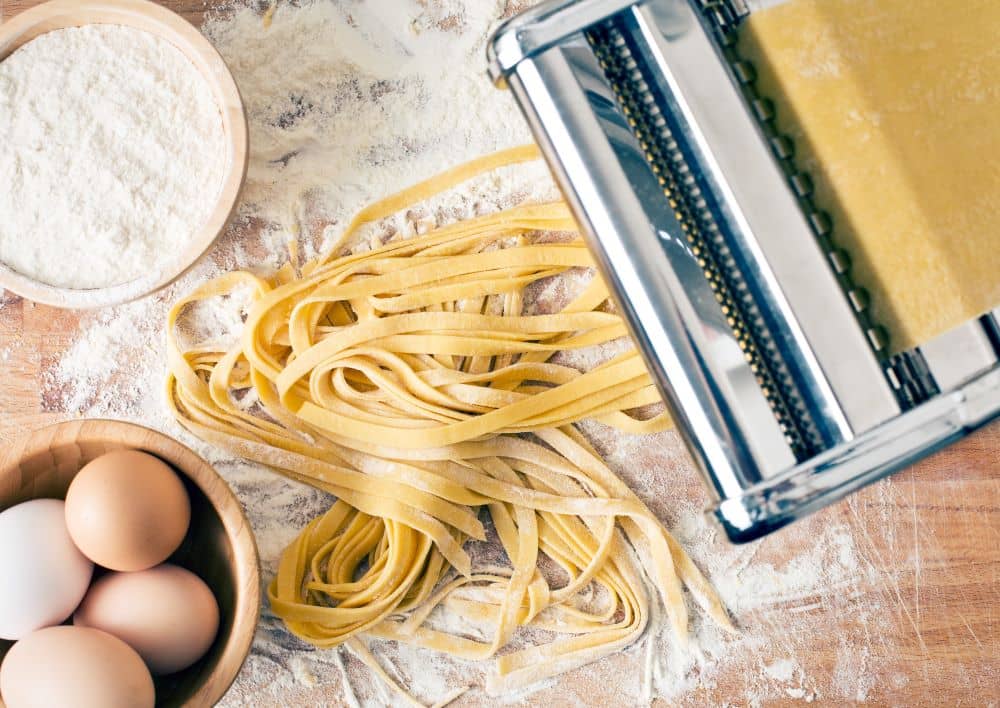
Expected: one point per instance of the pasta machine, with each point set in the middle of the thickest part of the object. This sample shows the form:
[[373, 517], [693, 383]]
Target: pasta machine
[[728, 274]]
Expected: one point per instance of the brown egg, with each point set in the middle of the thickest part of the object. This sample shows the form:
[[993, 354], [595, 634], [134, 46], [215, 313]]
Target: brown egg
[[167, 614], [74, 666], [127, 510]]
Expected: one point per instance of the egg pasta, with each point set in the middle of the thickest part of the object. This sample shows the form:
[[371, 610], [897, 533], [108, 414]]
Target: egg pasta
[[409, 381]]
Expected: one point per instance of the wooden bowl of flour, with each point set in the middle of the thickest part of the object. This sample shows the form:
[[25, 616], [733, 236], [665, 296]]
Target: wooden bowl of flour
[[154, 19]]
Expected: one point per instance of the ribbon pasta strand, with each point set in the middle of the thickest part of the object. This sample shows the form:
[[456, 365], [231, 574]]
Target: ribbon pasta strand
[[409, 381]]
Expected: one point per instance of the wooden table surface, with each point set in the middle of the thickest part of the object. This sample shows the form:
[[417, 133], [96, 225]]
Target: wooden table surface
[[921, 619]]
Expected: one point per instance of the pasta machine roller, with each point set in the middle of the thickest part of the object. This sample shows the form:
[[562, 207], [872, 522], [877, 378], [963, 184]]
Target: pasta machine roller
[[726, 271]]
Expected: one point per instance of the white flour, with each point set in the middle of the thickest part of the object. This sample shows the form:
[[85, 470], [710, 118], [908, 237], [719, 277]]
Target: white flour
[[357, 135], [111, 155]]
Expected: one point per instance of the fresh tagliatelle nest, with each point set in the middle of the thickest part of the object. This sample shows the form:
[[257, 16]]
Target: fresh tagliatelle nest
[[408, 382]]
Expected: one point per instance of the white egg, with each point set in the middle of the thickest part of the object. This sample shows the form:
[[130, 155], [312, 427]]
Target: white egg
[[43, 576]]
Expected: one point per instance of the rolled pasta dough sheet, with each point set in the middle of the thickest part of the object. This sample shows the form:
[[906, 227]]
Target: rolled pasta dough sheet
[[894, 106]]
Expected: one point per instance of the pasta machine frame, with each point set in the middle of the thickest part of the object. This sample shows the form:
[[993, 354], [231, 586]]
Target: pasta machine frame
[[728, 274]]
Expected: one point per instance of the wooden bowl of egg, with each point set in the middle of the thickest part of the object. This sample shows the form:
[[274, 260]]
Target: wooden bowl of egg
[[130, 573], [71, 261]]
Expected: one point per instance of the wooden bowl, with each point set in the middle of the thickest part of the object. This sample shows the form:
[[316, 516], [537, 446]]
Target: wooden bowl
[[219, 546], [153, 18]]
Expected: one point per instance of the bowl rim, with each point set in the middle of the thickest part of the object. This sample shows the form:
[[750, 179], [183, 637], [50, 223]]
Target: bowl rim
[[246, 612], [150, 17]]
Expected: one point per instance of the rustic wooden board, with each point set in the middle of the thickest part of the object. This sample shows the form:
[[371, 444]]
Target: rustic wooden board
[[920, 617]]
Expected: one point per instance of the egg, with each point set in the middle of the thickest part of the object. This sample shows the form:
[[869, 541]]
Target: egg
[[127, 510], [43, 575], [167, 614], [74, 666]]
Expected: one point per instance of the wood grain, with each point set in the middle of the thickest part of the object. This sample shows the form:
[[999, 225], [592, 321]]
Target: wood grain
[[921, 617], [21, 28], [219, 546]]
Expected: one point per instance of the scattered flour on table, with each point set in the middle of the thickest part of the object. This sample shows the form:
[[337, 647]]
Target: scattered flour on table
[[111, 155], [402, 96], [347, 99]]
